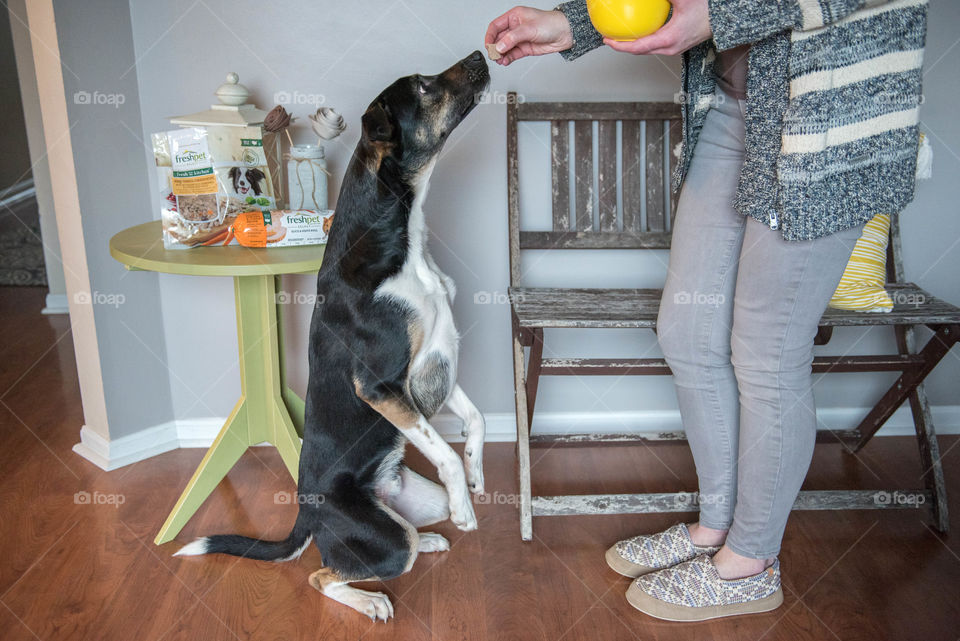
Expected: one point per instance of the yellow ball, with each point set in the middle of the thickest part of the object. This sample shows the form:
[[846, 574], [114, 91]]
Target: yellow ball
[[626, 20]]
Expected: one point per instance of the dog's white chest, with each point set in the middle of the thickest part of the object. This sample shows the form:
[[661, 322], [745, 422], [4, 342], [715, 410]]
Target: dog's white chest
[[422, 288]]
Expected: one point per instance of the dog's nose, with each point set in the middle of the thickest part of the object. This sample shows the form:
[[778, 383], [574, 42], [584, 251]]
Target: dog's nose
[[474, 59]]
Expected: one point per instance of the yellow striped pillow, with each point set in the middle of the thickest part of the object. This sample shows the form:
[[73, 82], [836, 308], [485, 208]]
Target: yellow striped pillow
[[861, 288]]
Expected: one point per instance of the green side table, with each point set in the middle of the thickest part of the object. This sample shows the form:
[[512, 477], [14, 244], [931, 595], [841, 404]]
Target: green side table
[[268, 410]]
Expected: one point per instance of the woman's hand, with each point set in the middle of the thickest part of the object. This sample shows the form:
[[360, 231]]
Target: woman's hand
[[688, 26], [524, 31]]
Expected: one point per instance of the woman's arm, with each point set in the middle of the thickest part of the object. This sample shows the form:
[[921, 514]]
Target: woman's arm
[[736, 22], [585, 36]]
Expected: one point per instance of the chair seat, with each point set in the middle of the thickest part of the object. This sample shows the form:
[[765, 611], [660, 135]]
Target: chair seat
[[548, 307], [618, 308]]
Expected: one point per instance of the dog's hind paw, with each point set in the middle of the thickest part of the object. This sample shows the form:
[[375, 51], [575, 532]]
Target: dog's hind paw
[[433, 542], [375, 605]]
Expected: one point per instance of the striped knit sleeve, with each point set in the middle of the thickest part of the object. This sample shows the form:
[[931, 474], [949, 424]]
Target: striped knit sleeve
[[737, 22], [585, 37]]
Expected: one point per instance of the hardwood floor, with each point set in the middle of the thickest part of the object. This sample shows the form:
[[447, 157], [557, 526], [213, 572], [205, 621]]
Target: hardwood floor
[[90, 571]]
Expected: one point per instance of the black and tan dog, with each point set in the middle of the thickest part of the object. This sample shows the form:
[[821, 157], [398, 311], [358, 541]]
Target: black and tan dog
[[383, 360]]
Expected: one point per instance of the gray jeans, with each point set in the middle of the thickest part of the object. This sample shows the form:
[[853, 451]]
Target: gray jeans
[[737, 321]]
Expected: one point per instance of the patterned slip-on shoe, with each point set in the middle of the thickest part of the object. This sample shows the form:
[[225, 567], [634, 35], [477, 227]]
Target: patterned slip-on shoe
[[693, 591], [650, 552]]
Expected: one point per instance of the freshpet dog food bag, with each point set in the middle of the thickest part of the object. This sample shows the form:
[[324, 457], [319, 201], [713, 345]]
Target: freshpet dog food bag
[[207, 176]]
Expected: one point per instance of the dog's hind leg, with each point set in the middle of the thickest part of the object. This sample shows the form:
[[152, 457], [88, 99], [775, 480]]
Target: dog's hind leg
[[381, 545], [425, 438], [474, 429], [375, 605], [420, 501], [433, 542]]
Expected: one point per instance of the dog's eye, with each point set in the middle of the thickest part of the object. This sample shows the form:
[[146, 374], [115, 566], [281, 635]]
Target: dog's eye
[[422, 87]]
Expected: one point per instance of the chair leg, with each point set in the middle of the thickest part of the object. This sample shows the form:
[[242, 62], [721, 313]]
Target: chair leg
[[936, 348], [926, 439], [523, 439]]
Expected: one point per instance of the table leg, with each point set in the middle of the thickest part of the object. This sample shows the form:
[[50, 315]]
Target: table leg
[[263, 413], [226, 450], [293, 402]]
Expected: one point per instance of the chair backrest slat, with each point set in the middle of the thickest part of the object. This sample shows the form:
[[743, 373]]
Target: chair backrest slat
[[542, 111], [583, 173], [632, 151], [560, 172], [607, 174], [656, 221]]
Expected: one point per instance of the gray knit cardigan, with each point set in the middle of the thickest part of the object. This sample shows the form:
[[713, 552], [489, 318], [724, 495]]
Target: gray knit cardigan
[[833, 93]]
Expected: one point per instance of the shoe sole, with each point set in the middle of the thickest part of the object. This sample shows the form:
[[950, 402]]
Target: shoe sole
[[672, 612], [621, 566]]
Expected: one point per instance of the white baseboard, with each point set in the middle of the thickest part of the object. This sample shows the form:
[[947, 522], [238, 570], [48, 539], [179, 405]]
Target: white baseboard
[[56, 304], [115, 453], [946, 420], [200, 432]]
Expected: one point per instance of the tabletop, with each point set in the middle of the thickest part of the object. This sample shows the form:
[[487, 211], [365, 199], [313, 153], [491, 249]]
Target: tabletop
[[141, 248]]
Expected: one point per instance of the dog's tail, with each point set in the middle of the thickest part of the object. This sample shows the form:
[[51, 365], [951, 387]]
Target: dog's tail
[[286, 550]]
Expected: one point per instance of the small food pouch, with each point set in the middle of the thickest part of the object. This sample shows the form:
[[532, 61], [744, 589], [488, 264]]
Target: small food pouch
[[193, 182], [281, 228], [193, 203]]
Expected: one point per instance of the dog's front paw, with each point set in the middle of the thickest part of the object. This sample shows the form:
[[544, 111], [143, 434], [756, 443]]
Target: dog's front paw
[[475, 476], [473, 465], [461, 514]]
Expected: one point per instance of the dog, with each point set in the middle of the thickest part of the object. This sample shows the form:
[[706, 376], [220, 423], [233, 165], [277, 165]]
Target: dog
[[383, 359], [245, 180]]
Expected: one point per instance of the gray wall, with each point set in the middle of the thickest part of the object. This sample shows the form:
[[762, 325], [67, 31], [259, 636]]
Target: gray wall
[[96, 50], [347, 55]]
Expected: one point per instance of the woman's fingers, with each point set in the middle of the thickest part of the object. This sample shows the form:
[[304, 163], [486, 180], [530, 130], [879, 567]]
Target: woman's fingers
[[659, 42], [522, 50], [520, 34], [688, 26], [499, 24]]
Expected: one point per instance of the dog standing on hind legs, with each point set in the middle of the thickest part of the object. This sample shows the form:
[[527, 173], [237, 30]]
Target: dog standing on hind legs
[[383, 359]]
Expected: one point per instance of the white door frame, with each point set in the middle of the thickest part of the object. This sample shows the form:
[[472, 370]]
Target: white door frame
[[66, 202]]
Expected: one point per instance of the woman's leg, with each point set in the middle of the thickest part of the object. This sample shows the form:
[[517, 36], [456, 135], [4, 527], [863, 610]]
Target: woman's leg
[[782, 290], [696, 313]]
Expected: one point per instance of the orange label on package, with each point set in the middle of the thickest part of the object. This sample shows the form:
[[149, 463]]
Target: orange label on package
[[250, 229]]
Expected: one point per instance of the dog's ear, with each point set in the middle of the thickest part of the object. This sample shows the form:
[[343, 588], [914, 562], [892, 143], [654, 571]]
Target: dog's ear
[[255, 176], [376, 123], [234, 173]]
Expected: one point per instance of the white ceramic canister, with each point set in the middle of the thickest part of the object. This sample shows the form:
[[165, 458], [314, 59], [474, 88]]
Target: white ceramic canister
[[307, 178]]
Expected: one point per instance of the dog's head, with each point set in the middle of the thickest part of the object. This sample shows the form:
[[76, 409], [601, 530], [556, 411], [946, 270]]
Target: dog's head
[[411, 119], [246, 180]]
